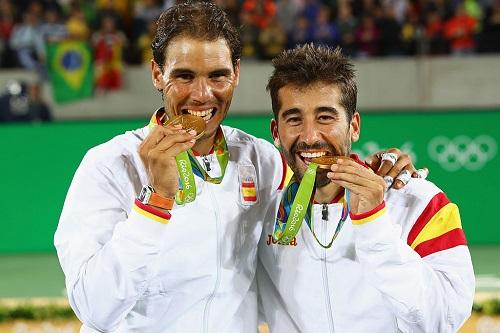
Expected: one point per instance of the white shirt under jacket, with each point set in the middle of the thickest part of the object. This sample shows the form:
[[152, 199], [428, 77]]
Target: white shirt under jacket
[[371, 280], [126, 272]]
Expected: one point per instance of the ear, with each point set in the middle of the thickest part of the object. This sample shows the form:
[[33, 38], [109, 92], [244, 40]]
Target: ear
[[237, 73], [157, 76], [274, 133], [355, 127]]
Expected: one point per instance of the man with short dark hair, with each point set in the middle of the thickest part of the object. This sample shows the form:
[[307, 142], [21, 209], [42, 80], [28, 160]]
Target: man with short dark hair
[[369, 259], [134, 260], [141, 254]]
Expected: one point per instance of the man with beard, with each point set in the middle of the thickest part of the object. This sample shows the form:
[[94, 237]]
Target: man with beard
[[369, 259], [141, 255]]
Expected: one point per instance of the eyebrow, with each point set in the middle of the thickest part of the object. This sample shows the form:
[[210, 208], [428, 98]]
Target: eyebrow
[[290, 112], [329, 109], [177, 71], [295, 111]]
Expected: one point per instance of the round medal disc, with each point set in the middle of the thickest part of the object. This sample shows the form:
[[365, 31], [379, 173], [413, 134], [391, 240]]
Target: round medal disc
[[326, 161], [188, 122]]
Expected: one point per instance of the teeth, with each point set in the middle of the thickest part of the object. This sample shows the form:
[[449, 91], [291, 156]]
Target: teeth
[[206, 114], [312, 154]]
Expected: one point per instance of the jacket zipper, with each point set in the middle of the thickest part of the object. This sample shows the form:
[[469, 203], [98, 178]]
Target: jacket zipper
[[324, 218], [206, 312]]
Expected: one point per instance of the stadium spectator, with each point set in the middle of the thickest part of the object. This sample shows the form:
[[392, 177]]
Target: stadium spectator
[[144, 42], [390, 32], [286, 12], [347, 25], [27, 42], [459, 31], [144, 12], [489, 40], [76, 25], [259, 12], [301, 32], [52, 29], [7, 23], [367, 37], [411, 34], [436, 43], [272, 39], [324, 30], [108, 45]]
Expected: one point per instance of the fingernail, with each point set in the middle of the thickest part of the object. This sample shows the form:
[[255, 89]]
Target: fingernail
[[334, 167], [192, 132], [340, 161], [192, 140], [329, 174]]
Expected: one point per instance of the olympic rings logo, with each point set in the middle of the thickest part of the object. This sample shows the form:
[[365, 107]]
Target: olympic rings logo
[[462, 152]]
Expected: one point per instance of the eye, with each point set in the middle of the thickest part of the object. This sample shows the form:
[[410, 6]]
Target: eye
[[218, 76], [326, 118], [184, 76], [292, 121]]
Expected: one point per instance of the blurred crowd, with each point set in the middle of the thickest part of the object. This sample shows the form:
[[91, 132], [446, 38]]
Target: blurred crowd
[[122, 30]]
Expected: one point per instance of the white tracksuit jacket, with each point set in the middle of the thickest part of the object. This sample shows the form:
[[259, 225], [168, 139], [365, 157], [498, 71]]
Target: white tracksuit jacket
[[371, 280], [125, 272]]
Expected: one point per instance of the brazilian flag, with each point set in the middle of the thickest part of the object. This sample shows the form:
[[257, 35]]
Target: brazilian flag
[[70, 70]]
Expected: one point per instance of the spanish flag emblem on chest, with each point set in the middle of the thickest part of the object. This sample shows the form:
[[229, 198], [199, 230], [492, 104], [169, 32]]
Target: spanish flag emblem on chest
[[248, 184]]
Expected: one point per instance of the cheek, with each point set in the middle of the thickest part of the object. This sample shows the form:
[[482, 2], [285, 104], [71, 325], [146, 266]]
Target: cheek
[[175, 90], [223, 90]]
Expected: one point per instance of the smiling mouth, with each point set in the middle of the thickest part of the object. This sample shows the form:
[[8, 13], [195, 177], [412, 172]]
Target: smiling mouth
[[306, 156], [206, 114]]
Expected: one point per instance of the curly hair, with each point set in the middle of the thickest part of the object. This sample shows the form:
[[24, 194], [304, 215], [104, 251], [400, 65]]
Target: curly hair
[[200, 20]]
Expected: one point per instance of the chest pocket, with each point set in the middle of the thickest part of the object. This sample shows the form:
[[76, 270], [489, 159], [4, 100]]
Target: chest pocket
[[248, 185]]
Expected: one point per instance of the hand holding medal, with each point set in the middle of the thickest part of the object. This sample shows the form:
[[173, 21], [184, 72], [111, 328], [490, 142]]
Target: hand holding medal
[[159, 150], [366, 187], [190, 123], [296, 203]]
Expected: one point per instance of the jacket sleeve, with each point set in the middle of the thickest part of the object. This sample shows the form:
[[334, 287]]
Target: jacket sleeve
[[105, 247], [427, 279]]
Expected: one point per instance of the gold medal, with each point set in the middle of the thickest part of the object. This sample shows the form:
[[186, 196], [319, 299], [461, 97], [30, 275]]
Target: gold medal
[[326, 161], [188, 122]]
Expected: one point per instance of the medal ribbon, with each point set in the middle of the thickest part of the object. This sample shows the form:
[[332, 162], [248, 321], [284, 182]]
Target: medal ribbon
[[296, 205], [188, 165]]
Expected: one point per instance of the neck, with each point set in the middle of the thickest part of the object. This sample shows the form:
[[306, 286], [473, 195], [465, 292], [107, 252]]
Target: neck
[[327, 193], [204, 145]]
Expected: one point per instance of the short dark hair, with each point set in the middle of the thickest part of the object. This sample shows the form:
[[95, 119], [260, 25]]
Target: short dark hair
[[307, 64], [200, 20]]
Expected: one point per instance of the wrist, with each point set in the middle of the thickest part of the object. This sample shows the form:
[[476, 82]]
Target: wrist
[[149, 196]]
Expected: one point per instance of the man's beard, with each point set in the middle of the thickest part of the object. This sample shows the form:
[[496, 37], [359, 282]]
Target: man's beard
[[321, 179]]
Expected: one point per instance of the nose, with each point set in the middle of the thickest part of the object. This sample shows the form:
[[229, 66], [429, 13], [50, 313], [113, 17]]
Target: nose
[[202, 91], [310, 133]]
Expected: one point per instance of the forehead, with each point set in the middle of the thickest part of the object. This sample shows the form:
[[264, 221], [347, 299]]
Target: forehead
[[310, 98], [197, 54]]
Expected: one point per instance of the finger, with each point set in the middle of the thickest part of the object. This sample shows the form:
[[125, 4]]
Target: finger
[[350, 166], [356, 179], [177, 139], [403, 163], [155, 136], [402, 179], [388, 159], [373, 161], [420, 173], [359, 190]]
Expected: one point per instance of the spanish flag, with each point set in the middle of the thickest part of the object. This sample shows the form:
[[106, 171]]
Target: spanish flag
[[70, 70], [438, 227]]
